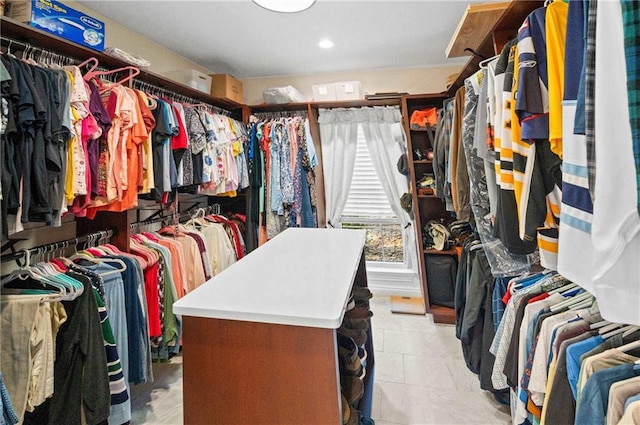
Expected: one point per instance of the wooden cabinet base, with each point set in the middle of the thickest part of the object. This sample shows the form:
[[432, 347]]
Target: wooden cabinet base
[[239, 372]]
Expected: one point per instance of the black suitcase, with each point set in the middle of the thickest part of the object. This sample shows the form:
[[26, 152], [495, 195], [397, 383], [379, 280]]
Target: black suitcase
[[441, 278]]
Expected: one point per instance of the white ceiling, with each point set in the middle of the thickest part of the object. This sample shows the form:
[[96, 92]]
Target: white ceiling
[[240, 38]]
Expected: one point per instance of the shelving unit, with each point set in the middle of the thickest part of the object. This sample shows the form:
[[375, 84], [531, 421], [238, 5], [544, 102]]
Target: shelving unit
[[505, 27], [26, 34], [425, 207]]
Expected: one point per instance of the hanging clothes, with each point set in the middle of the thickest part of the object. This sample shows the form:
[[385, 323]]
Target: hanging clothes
[[281, 173]]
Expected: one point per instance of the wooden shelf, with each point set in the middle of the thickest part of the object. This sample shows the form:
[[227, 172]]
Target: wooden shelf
[[423, 130], [442, 314], [427, 196], [300, 106], [25, 33], [505, 27], [474, 26], [423, 161], [439, 252]]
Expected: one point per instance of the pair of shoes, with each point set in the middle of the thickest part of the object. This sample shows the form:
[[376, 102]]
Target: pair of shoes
[[360, 324], [359, 312], [358, 336], [354, 416], [361, 293], [351, 303], [350, 416], [349, 360], [353, 387]]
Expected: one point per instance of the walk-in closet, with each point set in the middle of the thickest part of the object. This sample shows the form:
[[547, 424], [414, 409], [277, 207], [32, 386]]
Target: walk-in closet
[[299, 212]]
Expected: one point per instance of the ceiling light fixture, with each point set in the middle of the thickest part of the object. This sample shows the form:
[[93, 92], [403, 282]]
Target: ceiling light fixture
[[285, 6], [326, 44]]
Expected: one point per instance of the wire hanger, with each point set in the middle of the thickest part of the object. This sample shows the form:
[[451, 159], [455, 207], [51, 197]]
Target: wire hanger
[[482, 64]]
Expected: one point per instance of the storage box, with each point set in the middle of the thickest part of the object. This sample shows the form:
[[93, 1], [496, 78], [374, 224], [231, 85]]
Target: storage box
[[61, 20], [349, 90], [224, 86], [324, 92], [191, 78]]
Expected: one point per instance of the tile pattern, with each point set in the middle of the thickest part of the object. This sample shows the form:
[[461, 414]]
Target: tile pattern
[[421, 379]]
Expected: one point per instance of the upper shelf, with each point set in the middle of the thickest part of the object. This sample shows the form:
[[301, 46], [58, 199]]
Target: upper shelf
[[505, 28], [475, 25], [300, 106], [38, 38]]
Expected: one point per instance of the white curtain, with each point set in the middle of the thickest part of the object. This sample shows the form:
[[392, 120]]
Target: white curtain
[[386, 142], [382, 127], [339, 135]]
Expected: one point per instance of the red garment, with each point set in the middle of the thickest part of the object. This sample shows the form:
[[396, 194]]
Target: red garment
[[180, 141], [507, 295], [539, 297], [235, 232], [153, 300]]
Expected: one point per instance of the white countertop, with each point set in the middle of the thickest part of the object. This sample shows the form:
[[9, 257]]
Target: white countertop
[[301, 277]]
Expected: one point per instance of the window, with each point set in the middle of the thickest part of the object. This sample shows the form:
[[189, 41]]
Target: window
[[368, 208]]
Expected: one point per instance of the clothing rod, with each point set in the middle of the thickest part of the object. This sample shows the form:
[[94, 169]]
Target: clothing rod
[[10, 42], [54, 246], [281, 114], [208, 209], [144, 86]]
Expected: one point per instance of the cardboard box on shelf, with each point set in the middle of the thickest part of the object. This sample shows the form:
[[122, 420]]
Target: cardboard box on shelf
[[224, 86], [324, 92], [349, 90], [58, 19], [191, 78]]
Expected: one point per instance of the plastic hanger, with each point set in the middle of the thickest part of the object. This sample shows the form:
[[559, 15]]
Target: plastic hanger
[[563, 288], [87, 62], [620, 330], [85, 256], [572, 301], [93, 74], [599, 324], [609, 328], [582, 304], [630, 346]]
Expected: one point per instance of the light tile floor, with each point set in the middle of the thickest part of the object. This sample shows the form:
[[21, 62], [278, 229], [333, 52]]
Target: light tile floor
[[421, 378]]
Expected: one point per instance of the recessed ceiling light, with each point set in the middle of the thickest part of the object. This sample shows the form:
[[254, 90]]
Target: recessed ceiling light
[[285, 6], [326, 44]]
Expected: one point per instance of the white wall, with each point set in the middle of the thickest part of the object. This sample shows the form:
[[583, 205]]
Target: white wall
[[410, 80], [116, 35]]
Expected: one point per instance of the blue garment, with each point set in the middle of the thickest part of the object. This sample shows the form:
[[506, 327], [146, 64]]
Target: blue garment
[[579, 124], [311, 149], [631, 400], [308, 218], [8, 416], [529, 280], [574, 57], [574, 351], [594, 398], [499, 289], [120, 411], [135, 320], [276, 193]]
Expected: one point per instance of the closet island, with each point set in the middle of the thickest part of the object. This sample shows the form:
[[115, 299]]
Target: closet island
[[259, 339]]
